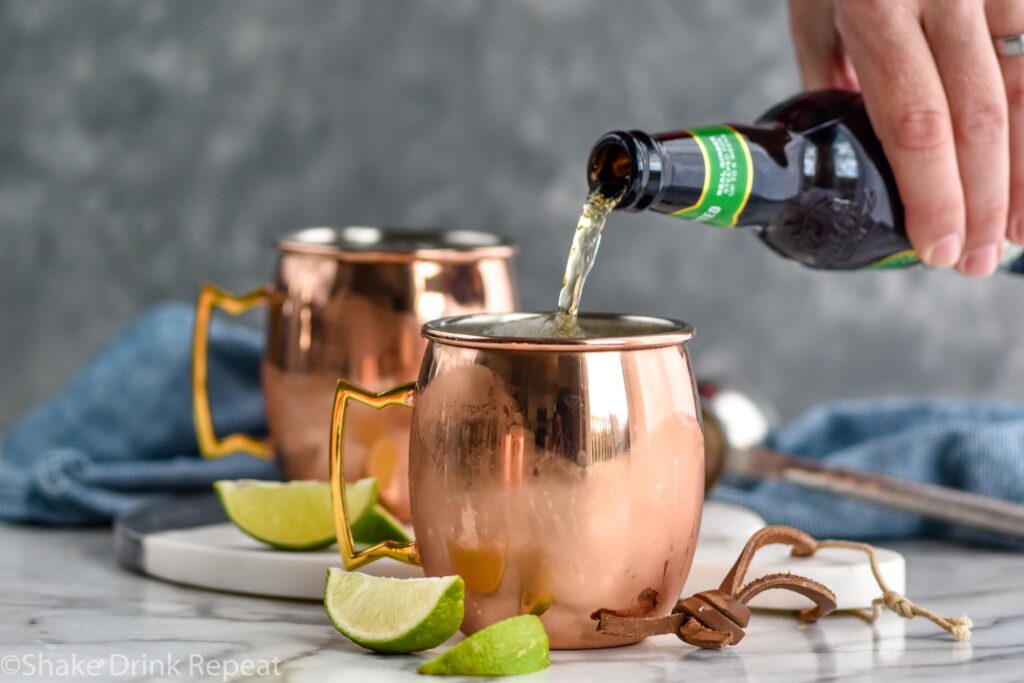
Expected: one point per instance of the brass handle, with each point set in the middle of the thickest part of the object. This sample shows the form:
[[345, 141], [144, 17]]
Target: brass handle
[[401, 395], [210, 297]]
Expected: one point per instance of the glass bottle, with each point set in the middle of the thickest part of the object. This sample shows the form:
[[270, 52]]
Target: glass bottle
[[810, 177]]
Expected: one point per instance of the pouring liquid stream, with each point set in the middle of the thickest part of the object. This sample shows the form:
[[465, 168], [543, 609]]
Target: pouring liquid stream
[[585, 243], [586, 240]]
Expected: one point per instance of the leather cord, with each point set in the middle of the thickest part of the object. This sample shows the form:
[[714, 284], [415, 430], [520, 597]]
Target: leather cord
[[716, 618]]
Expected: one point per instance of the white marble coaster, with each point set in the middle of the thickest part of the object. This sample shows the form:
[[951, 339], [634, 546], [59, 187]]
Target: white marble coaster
[[221, 557], [724, 530], [846, 572]]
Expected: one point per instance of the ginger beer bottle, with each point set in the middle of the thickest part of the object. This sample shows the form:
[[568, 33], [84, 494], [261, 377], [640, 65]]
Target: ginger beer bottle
[[809, 176]]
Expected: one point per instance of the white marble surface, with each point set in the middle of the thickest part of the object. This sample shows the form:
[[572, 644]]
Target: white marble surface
[[65, 602]]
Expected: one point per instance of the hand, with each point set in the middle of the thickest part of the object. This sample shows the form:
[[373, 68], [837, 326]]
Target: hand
[[948, 110]]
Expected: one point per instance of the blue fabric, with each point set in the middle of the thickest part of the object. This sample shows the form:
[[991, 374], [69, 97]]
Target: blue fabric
[[970, 445], [121, 432]]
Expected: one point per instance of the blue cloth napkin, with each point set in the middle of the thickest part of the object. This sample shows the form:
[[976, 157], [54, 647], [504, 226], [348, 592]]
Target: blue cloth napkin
[[121, 433], [971, 445]]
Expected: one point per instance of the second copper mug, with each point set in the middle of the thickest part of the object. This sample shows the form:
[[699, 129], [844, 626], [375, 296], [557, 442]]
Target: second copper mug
[[349, 302], [564, 475]]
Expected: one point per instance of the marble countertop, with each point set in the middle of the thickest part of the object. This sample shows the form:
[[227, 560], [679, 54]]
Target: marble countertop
[[71, 613]]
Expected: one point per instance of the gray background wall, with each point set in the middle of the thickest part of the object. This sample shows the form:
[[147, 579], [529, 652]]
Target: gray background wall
[[147, 146]]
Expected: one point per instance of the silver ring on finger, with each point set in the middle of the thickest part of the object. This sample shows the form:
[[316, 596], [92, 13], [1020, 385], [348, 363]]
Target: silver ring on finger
[[1010, 46]]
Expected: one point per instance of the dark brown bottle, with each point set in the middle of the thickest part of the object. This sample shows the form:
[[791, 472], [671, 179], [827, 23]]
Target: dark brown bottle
[[810, 177]]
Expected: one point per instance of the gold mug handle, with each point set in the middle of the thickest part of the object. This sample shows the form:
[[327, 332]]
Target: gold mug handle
[[211, 296], [401, 395]]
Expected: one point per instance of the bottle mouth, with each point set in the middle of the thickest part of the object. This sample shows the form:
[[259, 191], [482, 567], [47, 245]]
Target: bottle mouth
[[621, 164], [611, 167]]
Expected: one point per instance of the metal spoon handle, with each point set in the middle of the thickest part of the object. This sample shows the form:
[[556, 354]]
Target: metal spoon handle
[[929, 500]]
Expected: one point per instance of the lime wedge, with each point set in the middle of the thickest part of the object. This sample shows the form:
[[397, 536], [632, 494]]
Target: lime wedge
[[393, 615], [379, 525], [293, 515], [513, 646]]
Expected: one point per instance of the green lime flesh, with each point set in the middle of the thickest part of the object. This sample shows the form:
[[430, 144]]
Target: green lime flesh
[[394, 615], [294, 515]]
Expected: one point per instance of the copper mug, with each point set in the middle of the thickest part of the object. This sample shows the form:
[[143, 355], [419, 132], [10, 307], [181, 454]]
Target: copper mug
[[554, 475], [349, 302]]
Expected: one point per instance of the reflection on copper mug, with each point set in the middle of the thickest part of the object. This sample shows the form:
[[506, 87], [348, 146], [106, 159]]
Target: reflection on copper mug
[[349, 302], [551, 474]]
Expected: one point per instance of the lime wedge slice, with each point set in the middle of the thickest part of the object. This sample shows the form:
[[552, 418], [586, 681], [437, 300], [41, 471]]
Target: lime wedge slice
[[293, 515], [518, 645], [379, 525], [393, 615]]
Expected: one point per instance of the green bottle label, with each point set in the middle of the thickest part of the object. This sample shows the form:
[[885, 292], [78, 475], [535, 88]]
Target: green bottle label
[[728, 177]]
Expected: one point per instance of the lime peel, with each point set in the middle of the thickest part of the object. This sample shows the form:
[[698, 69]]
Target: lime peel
[[518, 645], [298, 515], [294, 515], [379, 525]]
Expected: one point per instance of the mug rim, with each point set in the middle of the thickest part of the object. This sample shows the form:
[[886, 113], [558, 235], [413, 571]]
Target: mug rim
[[675, 333], [371, 244]]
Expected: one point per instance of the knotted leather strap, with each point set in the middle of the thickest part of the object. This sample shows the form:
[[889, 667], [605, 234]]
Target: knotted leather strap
[[716, 618]]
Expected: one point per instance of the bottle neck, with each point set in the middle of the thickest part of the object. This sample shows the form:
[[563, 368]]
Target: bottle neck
[[627, 164], [720, 175]]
